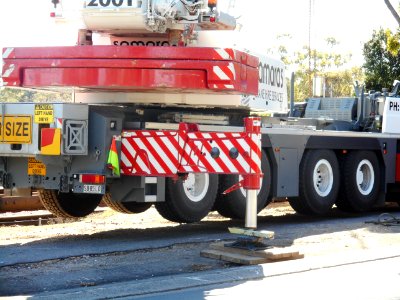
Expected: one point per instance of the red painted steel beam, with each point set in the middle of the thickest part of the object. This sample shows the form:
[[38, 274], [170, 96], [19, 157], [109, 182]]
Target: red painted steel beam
[[123, 52], [132, 68]]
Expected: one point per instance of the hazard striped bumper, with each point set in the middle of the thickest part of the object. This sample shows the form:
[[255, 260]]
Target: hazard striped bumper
[[187, 150]]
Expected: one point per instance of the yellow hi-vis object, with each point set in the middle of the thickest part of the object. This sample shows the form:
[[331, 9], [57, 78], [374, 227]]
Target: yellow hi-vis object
[[113, 161]]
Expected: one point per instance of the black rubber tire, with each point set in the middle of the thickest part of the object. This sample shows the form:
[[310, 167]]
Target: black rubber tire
[[179, 208], [393, 197], [350, 198], [297, 205], [309, 201], [126, 207], [69, 205], [233, 205]]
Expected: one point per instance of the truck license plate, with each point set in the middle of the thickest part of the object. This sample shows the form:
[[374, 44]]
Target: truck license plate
[[92, 189]]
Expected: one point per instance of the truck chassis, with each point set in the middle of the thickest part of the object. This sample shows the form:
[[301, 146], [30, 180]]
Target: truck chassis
[[64, 149]]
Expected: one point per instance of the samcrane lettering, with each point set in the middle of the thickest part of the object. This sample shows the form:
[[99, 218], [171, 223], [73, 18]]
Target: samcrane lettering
[[270, 75]]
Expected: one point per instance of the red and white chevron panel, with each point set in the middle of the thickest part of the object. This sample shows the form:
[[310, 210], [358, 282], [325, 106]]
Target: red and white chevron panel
[[9, 69], [168, 153], [199, 147], [225, 53], [150, 152], [225, 74]]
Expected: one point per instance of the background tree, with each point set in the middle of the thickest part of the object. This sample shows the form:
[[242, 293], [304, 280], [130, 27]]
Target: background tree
[[25, 95], [382, 66], [340, 83], [328, 64], [393, 40]]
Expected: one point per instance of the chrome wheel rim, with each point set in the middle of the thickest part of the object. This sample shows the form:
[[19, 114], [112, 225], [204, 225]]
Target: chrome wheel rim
[[323, 178], [365, 177], [196, 186]]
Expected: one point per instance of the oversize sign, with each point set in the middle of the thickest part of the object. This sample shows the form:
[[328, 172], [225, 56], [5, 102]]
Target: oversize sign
[[16, 129]]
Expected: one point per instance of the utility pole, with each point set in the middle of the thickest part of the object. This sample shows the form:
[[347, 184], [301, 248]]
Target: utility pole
[[309, 49], [393, 11], [231, 5]]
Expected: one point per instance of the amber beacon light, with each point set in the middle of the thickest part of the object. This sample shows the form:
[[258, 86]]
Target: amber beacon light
[[212, 3]]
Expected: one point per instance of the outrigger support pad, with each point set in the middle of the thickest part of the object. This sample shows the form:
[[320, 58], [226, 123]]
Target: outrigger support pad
[[250, 239]]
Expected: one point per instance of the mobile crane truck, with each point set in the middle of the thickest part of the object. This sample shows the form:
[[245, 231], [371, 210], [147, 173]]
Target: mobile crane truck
[[155, 124]]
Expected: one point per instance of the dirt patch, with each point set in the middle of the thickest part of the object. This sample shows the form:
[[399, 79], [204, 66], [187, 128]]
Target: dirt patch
[[316, 240]]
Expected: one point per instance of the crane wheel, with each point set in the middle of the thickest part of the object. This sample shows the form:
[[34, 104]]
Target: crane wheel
[[126, 207], [233, 205], [360, 183], [69, 205], [190, 200], [318, 183]]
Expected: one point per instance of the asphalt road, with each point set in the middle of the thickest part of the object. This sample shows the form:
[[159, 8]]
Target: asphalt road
[[365, 274], [377, 279], [147, 257]]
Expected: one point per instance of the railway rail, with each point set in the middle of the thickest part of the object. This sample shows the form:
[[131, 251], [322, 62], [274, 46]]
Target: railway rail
[[28, 220], [36, 218]]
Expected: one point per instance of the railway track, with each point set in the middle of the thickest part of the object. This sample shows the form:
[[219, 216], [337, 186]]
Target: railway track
[[28, 220], [35, 219]]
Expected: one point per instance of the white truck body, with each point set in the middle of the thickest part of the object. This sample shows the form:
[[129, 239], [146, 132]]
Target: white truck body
[[392, 115]]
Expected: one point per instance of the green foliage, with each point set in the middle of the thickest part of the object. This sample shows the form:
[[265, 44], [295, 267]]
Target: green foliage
[[24, 95], [382, 61], [328, 64], [341, 83], [393, 42]]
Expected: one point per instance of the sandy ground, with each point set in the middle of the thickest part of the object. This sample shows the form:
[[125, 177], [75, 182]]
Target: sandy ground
[[365, 237]]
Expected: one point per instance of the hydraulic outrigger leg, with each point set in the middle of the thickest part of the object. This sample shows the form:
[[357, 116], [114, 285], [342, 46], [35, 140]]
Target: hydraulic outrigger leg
[[251, 238], [251, 209], [251, 181]]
